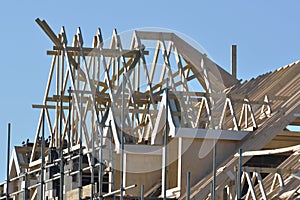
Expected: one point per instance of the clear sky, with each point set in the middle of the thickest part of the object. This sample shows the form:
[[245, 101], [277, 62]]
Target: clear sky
[[267, 34]]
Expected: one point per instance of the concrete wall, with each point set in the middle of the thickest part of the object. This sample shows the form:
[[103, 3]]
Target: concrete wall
[[197, 158], [184, 154], [141, 169]]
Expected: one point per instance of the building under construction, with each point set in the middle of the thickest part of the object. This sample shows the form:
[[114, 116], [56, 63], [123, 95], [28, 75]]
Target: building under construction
[[150, 116]]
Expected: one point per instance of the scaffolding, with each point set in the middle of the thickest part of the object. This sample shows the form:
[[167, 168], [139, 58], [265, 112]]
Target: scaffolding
[[149, 116]]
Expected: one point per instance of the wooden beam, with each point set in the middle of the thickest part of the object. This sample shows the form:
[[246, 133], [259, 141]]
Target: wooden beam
[[270, 152], [75, 51], [46, 28], [272, 170]]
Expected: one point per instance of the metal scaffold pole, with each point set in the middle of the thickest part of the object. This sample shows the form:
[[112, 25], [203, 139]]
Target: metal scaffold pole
[[111, 156], [239, 174], [234, 61], [213, 196], [26, 192], [80, 151], [7, 164], [100, 174], [188, 186], [69, 119], [92, 168], [42, 156], [165, 165], [61, 180], [122, 139], [142, 192]]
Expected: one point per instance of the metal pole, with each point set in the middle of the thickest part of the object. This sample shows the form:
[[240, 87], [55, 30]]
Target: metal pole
[[43, 156], [112, 160], [166, 144], [142, 192], [61, 180], [25, 186], [7, 164], [100, 165], [92, 168], [93, 156], [122, 138], [214, 170], [188, 186], [80, 151], [100, 174], [70, 118], [239, 173], [225, 195], [233, 61]]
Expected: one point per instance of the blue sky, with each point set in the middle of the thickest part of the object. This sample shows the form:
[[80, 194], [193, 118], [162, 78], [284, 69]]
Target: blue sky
[[267, 34]]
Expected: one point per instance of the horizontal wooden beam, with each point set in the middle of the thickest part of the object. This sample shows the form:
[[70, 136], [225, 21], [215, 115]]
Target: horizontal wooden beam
[[271, 170], [75, 51], [48, 106], [57, 98], [245, 96], [270, 152]]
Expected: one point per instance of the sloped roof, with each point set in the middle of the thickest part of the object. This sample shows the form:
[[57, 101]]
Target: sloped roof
[[282, 88]]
